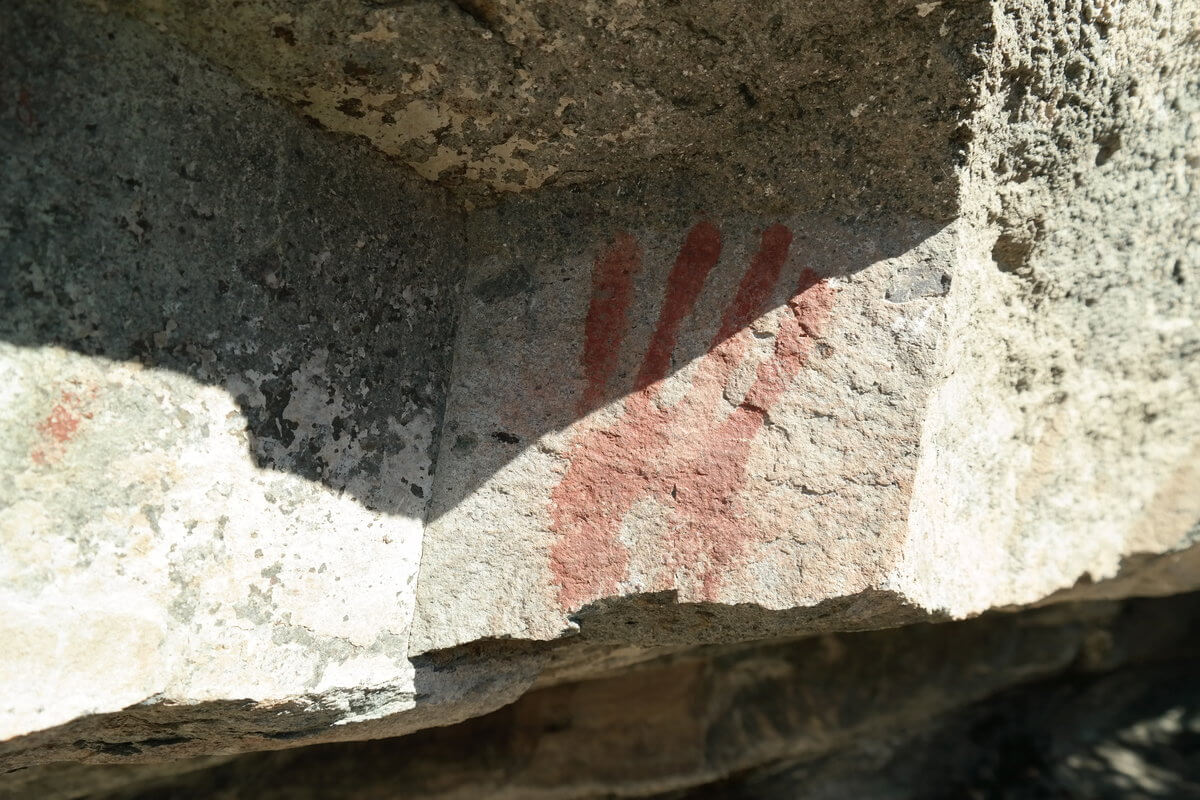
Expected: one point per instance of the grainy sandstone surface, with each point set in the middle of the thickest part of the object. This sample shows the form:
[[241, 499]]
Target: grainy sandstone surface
[[365, 366]]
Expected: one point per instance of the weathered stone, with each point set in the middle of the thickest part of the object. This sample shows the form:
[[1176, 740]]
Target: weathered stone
[[899, 713], [794, 105], [693, 327]]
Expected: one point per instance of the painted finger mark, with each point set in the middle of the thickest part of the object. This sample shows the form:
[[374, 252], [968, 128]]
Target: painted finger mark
[[697, 257], [612, 294], [808, 310], [757, 283], [729, 345]]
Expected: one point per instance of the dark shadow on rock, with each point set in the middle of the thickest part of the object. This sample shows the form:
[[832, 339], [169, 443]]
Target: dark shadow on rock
[[1125, 730], [651, 620], [155, 211]]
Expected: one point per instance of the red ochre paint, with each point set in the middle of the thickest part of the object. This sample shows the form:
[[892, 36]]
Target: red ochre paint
[[683, 456], [58, 428], [612, 293]]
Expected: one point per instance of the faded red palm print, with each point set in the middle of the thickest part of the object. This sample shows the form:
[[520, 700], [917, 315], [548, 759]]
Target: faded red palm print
[[687, 456]]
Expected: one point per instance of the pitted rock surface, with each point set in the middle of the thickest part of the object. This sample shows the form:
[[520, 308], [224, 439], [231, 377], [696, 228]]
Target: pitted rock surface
[[365, 367]]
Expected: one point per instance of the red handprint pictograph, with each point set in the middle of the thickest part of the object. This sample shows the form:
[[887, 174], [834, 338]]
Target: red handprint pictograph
[[689, 456]]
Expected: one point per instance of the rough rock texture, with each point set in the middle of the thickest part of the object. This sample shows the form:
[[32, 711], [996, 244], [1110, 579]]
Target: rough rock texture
[[803, 104], [1079, 701], [621, 332]]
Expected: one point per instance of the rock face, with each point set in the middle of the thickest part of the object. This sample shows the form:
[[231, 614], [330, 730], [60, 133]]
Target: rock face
[[1082, 700], [618, 343]]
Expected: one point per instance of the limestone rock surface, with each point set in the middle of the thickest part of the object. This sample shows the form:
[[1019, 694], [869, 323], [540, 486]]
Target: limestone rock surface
[[366, 367]]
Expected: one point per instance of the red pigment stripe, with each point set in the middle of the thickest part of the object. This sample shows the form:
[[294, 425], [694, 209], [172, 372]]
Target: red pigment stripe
[[757, 283], [696, 259], [612, 293], [812, 303], [810, 308]]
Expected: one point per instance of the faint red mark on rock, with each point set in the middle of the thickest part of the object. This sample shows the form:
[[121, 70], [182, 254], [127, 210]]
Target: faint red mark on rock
[[25, 114], [59, 427], [683, 456]]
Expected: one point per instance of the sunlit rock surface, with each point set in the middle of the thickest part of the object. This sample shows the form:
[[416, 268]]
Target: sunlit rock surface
[[612, 335]]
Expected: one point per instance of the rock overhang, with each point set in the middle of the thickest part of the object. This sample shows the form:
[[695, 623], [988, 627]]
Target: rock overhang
[[451, 384]]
